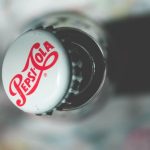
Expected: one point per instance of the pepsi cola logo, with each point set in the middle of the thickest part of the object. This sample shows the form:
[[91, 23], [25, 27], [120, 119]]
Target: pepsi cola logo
[[38, 60]]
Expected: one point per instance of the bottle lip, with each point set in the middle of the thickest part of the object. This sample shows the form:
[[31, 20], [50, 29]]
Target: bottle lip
[[94, 52], [35, 66]]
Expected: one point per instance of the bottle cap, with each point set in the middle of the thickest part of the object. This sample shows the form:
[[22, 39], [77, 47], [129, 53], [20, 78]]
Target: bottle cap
[[36, 72]]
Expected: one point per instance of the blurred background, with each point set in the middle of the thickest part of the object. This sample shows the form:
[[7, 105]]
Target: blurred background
[[123, 123]]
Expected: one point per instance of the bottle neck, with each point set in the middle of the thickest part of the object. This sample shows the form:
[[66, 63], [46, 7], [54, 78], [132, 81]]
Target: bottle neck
[[88, 67]]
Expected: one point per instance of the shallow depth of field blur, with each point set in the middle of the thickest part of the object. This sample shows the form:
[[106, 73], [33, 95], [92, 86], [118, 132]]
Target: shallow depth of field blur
[[123, 123]]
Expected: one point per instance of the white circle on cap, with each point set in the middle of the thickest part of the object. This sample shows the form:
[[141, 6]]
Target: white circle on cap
[[36, 72]]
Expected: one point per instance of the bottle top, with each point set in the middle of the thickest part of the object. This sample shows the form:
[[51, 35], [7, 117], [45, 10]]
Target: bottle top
[[36, 72], [46, 69]]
